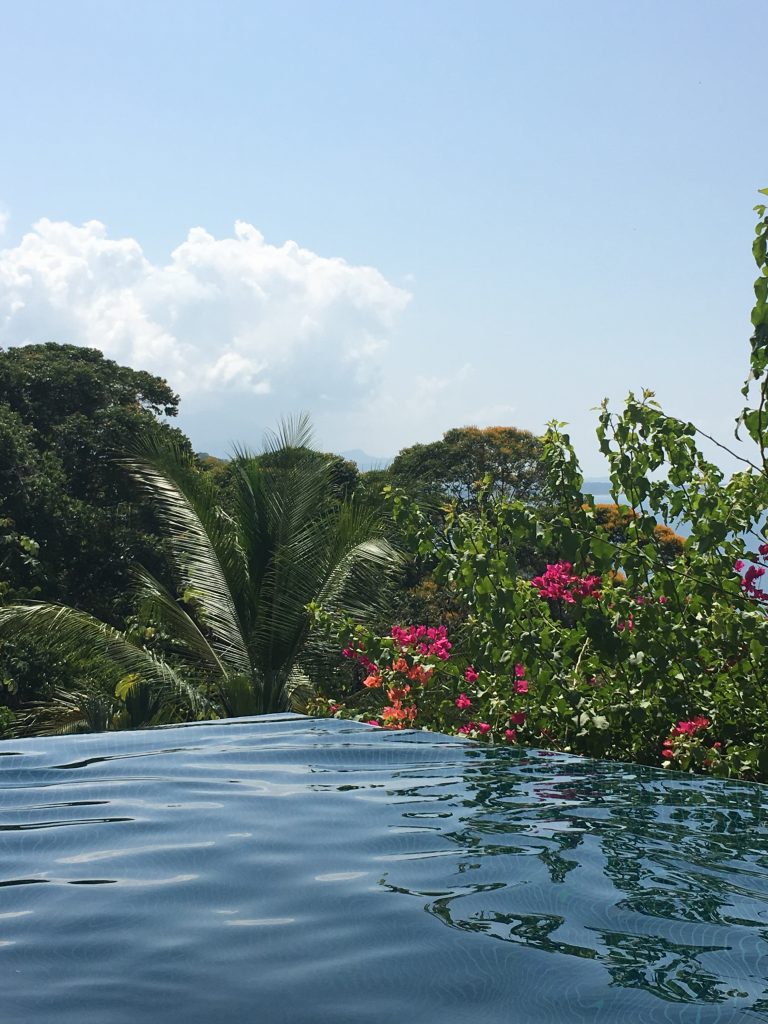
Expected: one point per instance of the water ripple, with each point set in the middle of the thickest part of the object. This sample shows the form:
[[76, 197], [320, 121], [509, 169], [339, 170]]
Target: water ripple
[[294, 870]]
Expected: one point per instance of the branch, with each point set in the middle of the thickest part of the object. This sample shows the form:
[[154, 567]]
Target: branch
[[730, 451]]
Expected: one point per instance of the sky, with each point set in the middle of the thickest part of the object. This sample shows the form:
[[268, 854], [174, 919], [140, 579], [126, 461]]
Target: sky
[[398, 216]]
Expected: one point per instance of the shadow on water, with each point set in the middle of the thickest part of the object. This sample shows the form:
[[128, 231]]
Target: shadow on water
[[291, 870]]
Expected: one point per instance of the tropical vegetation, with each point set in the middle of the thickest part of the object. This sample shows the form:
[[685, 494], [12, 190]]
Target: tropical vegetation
[[473, 587], [231, 637], [624, 642]]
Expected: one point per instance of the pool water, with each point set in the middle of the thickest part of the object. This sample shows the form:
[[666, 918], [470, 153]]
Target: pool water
[[289, 870]]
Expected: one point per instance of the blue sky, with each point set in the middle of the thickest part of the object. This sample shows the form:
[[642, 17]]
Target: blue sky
[[502, 211]]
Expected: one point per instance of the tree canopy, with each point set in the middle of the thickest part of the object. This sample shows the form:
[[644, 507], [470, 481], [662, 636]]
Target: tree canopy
[[457, 466], [233, 630], [65, 413]]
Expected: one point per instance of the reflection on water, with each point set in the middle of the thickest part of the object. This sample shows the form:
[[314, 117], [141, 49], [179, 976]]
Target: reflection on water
[[290, 870]]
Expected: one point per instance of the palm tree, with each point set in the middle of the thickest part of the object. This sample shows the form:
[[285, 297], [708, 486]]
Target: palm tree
[[238, 621]]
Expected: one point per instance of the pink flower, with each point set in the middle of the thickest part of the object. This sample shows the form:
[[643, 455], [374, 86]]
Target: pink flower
[[510, 735], [351, 653], [463, 701], [424, 639], [520, 671], [738, 565], [667, 754], [374, 722], [483, 728], [517, 718], [521, 686], [663, 600], [471, 675], [763, 549], [691, 727], [465, 730], [560, 583]]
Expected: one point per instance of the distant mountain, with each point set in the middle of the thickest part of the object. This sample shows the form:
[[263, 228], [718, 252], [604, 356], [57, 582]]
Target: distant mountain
[[364, 460], [203, 456], [596, 486]]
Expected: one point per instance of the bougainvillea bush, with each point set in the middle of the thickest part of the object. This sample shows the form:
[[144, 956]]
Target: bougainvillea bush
[[613, 649]]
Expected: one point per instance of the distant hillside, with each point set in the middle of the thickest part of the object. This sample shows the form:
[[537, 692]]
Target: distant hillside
[[596, 487], [364, 460]]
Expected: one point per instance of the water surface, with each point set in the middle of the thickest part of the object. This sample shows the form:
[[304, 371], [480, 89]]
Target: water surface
[[290, 870]]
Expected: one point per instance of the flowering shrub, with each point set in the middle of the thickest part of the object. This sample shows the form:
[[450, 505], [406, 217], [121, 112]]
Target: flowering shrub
[[687, 746], [415, 682], [616, 637], [560, 583]]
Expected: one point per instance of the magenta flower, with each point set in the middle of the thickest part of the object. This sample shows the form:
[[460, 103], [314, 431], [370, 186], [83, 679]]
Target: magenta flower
[[517, 718], [471, 675], [691, 727], [483, 728], [463, 701], [521, 686], [424, 639], [560, 583], [510, 735]]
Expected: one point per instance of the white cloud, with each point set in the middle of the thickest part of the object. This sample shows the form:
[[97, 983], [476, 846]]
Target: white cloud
[[4, 218], [234, 315]]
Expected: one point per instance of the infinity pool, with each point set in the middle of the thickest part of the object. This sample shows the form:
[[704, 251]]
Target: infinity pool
[[288, 870]]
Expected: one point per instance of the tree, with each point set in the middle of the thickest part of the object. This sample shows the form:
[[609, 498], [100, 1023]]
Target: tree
[[65, 412], [456, 467], [617, 520], [630, 644], [343, 474], [237, 630]]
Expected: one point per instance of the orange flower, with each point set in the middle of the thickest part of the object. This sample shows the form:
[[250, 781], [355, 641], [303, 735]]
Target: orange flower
[[401, 665], [420, 674], [397, 693], [396, 717], [372, 682]]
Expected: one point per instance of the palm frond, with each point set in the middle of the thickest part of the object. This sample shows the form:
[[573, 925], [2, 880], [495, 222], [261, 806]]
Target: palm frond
[[68, 712], [203, 542], [187, 639], [170, 700], [72, 632], [292, 432]]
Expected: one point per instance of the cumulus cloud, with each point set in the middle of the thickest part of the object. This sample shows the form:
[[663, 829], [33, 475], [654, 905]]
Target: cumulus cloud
[[235, 315]]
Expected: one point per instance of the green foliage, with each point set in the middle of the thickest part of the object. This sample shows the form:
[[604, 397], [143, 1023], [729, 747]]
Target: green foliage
[[65, 413], [7, 722], [342, 475], [468, 460], [631, 645], [617, 520], [233, 638], [71, 523]]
